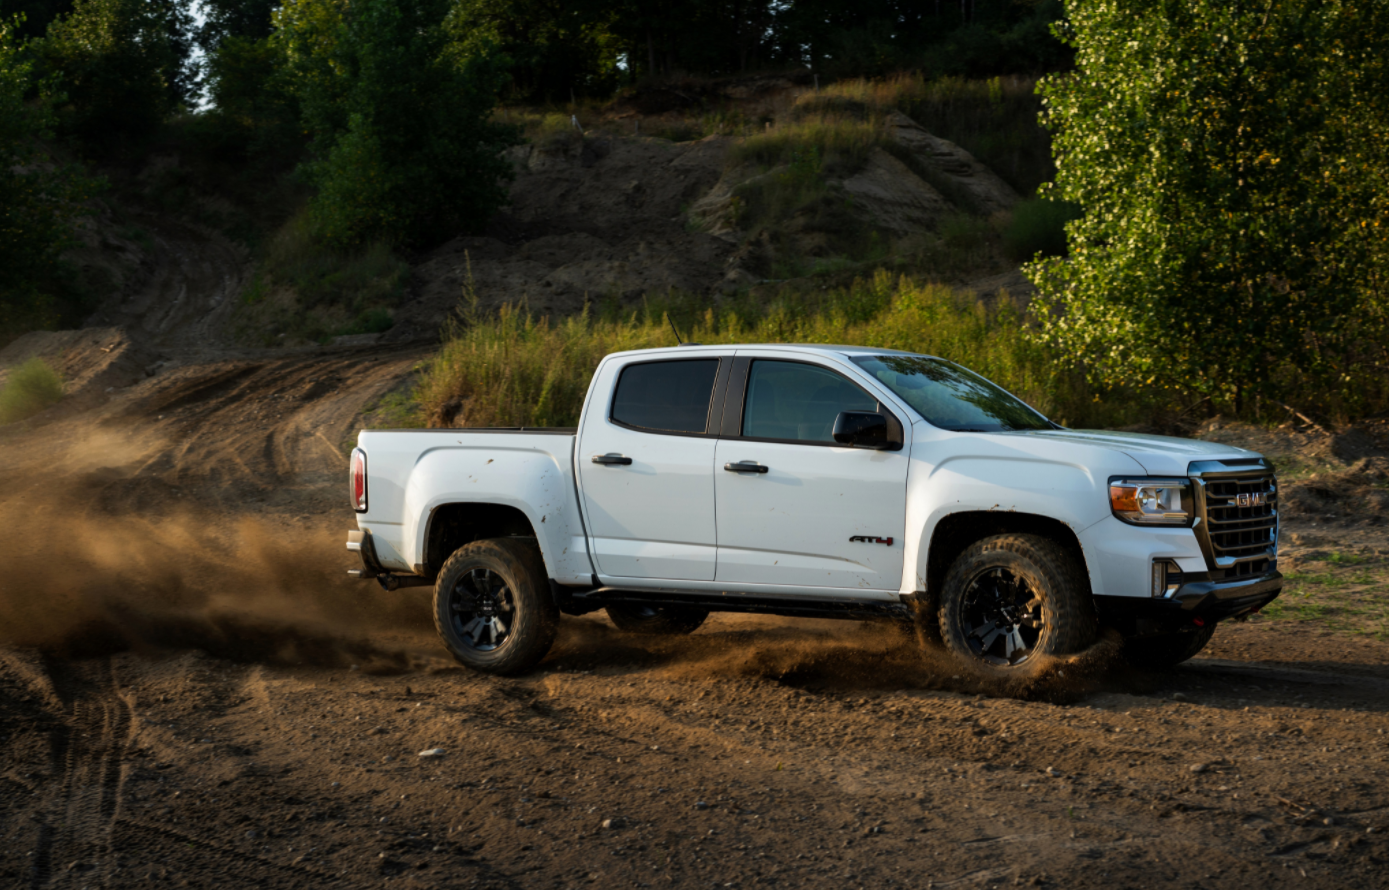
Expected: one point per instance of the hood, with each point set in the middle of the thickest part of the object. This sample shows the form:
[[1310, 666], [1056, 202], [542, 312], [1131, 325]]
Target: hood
[[1159, 455]]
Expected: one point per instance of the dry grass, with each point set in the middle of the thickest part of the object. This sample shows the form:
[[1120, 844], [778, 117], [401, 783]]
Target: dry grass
[[517, 369]]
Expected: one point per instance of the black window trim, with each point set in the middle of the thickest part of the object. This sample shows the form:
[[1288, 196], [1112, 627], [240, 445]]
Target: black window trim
[[732, 421], [715, 396]]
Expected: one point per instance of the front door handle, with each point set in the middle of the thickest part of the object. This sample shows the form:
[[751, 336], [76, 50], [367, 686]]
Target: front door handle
[[745, 466], [612, 460]]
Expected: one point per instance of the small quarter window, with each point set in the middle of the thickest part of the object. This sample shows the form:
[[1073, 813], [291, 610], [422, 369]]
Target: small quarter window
[[799, 402], [666, 397]]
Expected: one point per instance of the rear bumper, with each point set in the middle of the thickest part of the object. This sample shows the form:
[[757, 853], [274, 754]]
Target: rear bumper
[[361, 543], [1194, 605]]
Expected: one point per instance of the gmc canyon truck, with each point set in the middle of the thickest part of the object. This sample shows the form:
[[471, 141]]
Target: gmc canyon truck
[[821, 481]]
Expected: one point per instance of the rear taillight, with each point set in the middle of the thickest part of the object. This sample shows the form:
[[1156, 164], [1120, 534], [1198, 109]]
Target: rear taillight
[[357, 488]]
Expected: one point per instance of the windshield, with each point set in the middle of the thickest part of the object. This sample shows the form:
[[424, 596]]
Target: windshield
[[950, 396]]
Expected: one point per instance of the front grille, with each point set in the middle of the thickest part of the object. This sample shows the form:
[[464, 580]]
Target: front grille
[[1241, 522]]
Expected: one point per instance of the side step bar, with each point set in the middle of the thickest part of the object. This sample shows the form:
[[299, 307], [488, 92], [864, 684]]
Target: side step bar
[[583, 601]]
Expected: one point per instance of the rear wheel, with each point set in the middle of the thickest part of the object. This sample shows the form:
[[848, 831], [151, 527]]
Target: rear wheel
[[1010, 601], [644, 619], [493, 608], [1168, 650]]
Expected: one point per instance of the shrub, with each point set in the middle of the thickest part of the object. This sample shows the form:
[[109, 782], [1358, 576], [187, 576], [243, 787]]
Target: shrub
[[1038, 228], [356, 278], [32, 387]]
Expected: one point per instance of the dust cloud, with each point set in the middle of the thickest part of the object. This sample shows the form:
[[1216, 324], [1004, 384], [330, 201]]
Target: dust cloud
[[249, 590], [839, 656]]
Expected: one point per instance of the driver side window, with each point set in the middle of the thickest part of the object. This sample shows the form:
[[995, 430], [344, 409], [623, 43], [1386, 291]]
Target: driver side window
[[797, 402]]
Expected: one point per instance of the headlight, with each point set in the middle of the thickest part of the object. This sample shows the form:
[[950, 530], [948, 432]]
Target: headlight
[[1151, 501]]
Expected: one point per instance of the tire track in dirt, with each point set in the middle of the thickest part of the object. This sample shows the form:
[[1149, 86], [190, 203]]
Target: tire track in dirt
[[187, 300], [75, 837], [198, 861]]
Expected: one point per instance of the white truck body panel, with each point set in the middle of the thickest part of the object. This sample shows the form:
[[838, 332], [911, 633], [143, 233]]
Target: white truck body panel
[[414, 473], [675, 519], [793, 524]]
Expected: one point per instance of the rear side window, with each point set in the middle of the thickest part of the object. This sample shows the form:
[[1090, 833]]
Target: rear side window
[[667, 397], [798, 402]]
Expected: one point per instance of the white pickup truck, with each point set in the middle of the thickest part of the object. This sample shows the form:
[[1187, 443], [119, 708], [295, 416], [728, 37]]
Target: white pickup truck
[[823, 481]]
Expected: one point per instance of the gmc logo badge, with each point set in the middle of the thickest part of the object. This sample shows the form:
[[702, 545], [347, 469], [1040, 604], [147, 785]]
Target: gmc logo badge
[[870, 539], [1253, 499]]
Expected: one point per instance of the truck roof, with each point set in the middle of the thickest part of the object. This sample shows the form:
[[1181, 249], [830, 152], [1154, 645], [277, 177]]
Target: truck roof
[[691, 348]]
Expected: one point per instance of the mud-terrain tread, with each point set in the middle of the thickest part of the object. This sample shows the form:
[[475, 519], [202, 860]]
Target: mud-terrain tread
[[519, 561], [1168, 650], [671, 620], [1071, 621]]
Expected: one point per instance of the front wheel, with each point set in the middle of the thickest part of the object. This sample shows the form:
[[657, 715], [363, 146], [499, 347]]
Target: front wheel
[[1167, 650], [493, 608], [1011, 601], [642, 619]]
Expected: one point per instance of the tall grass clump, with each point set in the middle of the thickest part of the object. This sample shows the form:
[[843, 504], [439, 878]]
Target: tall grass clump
[[32, 387], [518, 369], [841, 142]]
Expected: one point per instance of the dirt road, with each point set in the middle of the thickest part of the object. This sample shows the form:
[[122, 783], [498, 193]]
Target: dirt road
[[193, 694]]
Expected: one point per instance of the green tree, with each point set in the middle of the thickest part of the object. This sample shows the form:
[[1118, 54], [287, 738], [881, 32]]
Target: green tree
[[405, 149], [557, 48], [223, 19], [253, 113], [39, 199], [1230, 160], [123, 66], [31, 18]]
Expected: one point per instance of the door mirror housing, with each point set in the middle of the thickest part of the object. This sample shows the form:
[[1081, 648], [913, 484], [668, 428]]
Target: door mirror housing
[[863, 429]]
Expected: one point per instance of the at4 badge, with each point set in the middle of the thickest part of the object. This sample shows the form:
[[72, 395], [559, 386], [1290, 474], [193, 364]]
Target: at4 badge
[[870, 539]]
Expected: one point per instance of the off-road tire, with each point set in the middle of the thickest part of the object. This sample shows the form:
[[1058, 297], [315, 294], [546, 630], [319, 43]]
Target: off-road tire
[[637, 619], [533, 621], [1167, 650], [1049, 571]]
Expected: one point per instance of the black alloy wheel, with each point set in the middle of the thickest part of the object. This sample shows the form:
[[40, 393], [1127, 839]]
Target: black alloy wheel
[[1010, 603], [483, 609], [493, 606], [1001, 617]]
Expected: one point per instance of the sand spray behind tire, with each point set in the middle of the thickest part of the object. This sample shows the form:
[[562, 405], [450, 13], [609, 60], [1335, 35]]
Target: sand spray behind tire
[[258, 590]]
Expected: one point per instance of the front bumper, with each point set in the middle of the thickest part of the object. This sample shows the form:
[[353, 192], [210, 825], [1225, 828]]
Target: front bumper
[[1194, 605]]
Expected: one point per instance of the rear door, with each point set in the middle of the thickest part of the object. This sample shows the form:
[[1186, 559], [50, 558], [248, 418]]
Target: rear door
[[794, 507], [646, 467]]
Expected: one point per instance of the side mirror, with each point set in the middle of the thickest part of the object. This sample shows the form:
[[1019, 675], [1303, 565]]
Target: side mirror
[[862, 429]]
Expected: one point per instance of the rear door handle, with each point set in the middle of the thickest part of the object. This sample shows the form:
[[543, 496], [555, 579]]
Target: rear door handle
[[745, 466], [612, 460]]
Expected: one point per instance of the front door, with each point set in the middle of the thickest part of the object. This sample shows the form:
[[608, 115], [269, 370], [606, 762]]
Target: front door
[[795, 508], [646, 466]]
